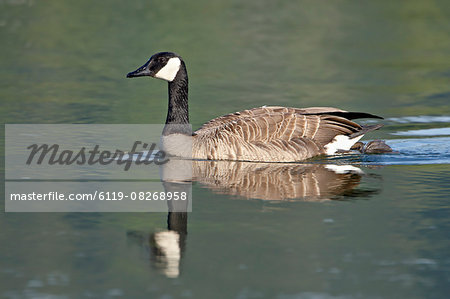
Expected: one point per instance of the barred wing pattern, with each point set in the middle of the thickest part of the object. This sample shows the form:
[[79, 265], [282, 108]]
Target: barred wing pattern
[[274, 133]]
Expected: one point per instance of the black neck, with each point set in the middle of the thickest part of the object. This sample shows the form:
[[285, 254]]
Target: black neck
[[178, 112]]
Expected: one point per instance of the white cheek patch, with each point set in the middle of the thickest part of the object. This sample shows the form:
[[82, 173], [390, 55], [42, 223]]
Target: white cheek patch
[[340, 142], [170, 70]]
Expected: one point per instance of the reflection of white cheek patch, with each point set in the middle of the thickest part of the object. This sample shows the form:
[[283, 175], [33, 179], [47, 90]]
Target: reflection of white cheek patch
[[169, 71], [343, 169], [169, 244]]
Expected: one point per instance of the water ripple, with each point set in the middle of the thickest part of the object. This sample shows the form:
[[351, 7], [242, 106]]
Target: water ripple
[[420, 119], [425, 132]]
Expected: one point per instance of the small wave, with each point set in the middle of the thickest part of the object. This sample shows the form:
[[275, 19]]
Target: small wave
[[412, 151], [425, 132], [415, 151], [420, 119]]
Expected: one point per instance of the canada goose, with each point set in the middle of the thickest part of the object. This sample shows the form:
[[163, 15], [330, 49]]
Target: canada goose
[[270, 134]]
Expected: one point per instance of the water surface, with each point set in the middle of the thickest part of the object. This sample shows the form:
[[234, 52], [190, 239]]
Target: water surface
[[377, 230]]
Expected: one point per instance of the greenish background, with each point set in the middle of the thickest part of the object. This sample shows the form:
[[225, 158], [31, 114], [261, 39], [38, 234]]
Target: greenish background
[[66, 61]]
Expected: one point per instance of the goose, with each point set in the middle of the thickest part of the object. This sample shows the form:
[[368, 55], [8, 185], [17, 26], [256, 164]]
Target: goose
[[264, 134]]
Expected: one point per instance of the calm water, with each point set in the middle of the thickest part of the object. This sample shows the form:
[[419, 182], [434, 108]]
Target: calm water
[[379, 230]]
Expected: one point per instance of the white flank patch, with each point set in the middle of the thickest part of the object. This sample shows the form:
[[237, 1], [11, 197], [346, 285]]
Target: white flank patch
[[177, 145], [170, 70], [340, 142], [342, 169]]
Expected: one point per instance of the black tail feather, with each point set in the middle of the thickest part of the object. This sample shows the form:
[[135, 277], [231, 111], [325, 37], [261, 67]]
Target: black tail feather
[[365, 129], [353, 115]]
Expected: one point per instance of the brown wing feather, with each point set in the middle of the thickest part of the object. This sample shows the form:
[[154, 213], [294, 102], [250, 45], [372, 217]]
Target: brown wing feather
[[270, 123], [272, 133]]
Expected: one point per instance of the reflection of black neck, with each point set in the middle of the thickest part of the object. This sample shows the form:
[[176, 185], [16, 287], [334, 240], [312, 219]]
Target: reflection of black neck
[[177, 221], [178, 112]]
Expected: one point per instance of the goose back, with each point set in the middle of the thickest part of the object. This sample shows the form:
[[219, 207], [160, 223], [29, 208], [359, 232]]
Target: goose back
[[278, 134]]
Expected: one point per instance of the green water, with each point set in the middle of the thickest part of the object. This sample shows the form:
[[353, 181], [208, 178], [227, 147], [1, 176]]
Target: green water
[[384, 234]]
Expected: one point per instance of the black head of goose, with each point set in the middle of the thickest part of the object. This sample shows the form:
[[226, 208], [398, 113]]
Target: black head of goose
[[268, 133]]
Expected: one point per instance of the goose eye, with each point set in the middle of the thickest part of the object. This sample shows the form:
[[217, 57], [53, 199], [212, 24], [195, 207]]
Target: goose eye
[[161, 60]]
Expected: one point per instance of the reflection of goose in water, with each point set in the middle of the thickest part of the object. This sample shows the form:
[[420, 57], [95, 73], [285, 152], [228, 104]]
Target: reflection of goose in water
[[275, 181], [166, 248], [267, 181]]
